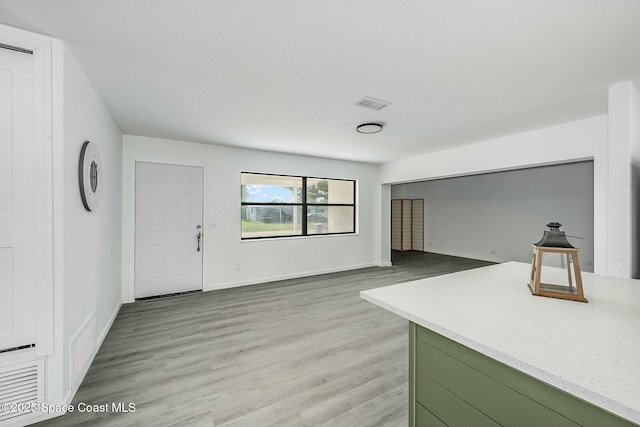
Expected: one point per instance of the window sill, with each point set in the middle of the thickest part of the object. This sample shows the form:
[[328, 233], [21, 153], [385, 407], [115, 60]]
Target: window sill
[[311, 236]]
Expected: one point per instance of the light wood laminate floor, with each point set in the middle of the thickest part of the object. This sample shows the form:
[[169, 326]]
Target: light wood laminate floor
[[300, 352]]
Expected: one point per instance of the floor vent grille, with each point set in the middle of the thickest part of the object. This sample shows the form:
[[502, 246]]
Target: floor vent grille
[[21, 391], [83, 347]]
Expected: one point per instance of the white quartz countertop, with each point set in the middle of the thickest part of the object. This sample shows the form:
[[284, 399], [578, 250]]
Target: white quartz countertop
[[590, 350]]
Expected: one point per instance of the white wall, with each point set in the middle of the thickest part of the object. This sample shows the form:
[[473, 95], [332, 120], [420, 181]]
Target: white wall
[[92, 240], [497, 216], [579, 140], [585, 139], [259, 260]]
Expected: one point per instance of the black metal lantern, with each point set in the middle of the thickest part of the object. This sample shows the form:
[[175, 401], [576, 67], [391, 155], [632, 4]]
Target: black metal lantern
[[554, 238]]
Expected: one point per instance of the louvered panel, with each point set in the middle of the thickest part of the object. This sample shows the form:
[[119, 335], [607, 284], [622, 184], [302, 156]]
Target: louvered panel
[[20, 386], [396, 225], [27, 395], [417, 225], [9, 393], [14, 377], [406, 225]]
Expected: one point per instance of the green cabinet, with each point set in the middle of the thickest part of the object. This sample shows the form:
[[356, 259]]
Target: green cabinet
[[453, 385]]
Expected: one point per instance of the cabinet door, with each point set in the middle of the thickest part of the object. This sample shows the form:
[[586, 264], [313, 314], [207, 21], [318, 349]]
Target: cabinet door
[[460, 386]]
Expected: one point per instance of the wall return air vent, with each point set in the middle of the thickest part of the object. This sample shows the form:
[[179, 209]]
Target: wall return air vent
[[372, 103], [83, 348], [21, 388]]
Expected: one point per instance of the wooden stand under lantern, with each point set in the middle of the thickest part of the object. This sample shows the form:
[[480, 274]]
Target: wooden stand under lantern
[[574, 293], [555, 241]]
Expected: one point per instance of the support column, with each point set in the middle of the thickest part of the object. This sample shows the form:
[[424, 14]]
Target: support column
[[623, 156], [385, 225]]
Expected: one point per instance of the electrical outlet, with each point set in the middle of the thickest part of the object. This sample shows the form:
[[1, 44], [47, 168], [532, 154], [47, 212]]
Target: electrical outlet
[[493, 252], [237, 266], [429, 244]]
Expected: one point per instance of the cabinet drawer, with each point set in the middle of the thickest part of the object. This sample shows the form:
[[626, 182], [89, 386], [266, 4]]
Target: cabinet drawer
[[487, 395]]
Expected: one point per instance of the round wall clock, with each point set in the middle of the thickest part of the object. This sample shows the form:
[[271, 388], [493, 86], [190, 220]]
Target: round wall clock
[[89, 173]]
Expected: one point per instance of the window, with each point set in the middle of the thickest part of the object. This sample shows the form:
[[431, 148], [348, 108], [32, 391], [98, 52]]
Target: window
[[287, 206]]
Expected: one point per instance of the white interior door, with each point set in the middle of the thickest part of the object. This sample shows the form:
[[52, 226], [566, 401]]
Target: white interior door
[[17, 234], [168, 253]]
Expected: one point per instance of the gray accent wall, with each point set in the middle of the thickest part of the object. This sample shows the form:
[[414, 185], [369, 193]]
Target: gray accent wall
[[497, 216]]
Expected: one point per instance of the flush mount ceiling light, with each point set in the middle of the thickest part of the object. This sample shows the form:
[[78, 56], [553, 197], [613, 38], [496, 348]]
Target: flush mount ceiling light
[[369, 128]]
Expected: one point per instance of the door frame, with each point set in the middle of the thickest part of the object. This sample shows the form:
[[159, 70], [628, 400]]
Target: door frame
[[48, 181], [149, 154]]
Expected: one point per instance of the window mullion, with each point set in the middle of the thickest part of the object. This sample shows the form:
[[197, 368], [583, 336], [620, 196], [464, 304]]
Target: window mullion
[[304, 206]]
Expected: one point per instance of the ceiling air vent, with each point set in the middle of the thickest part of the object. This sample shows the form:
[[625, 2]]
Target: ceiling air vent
[[372, 103]]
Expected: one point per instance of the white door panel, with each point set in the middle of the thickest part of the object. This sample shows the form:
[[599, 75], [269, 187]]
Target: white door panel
[[17, 238], [168, 212]]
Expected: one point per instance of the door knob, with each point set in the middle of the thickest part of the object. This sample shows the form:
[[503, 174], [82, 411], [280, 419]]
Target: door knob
[[198, 236]]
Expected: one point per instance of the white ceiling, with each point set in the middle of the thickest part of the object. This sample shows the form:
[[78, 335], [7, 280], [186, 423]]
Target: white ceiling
[[283, 75]]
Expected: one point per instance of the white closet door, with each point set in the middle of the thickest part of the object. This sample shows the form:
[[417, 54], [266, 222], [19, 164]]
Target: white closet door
[[17, 195]]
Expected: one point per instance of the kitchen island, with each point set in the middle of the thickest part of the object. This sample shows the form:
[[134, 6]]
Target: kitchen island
[[484, 351]]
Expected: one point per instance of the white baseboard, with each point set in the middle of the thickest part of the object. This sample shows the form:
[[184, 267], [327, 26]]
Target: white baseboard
[[227, 285], [107, 327], [466, 255]]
